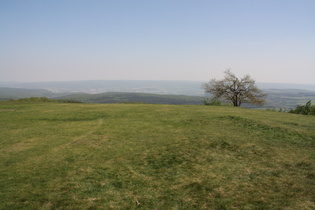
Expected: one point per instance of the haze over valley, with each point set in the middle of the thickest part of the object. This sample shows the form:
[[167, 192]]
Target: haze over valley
[[162, 92], [141, 86]]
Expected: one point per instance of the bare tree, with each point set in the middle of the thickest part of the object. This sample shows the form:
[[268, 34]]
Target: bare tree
[[235, 90]]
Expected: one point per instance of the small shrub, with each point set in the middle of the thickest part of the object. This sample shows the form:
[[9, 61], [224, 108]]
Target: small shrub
[[68, 101], [212, 102], [45, 99], [306, 109], [36, 99]]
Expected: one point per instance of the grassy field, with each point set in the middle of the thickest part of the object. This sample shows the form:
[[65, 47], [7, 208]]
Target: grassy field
[[140, 156]]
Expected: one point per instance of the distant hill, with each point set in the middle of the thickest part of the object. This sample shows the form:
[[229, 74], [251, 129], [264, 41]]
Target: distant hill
[[140, 86], [277, 98], [267, 86], [17, 93], [284, 96], [101, 86], [113, 97]]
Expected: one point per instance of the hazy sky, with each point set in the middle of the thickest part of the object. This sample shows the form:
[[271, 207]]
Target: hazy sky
[[63, 40]]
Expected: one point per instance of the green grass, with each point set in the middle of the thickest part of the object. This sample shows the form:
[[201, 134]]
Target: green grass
[[140, 156]]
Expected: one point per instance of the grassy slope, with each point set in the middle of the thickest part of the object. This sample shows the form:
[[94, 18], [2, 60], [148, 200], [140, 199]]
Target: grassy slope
[[79, 156]]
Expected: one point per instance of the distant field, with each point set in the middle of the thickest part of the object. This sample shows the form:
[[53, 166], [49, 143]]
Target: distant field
[[130, 156], [288, 98]]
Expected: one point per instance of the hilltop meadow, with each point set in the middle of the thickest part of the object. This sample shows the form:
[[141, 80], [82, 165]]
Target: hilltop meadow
[[144, 156]]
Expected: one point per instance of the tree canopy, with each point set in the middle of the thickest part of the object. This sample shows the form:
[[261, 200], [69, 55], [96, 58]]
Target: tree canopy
[[235, 90]]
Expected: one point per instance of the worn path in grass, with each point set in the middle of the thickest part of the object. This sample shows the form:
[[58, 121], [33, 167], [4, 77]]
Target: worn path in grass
[[129, 156]]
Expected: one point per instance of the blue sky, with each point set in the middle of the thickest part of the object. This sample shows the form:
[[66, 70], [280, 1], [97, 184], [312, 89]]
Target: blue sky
[[66, 40]]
